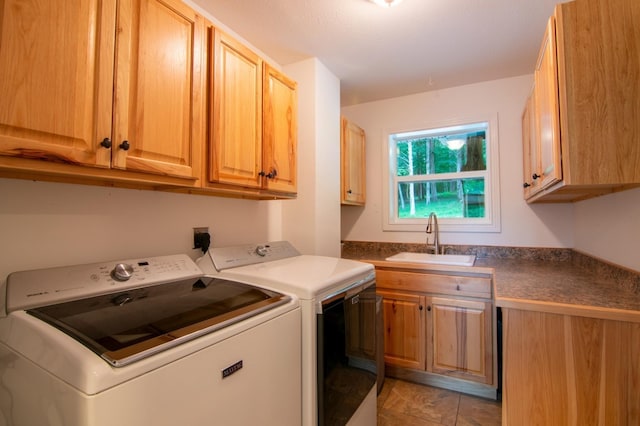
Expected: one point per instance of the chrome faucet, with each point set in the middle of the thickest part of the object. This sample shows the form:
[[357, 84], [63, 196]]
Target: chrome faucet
[[432, 228]]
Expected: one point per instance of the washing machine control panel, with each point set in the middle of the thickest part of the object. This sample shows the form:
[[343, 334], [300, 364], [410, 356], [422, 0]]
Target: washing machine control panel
[[28, 289], [249, 254]]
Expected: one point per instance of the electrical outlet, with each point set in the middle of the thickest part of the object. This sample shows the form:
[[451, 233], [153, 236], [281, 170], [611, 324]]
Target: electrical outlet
[[201, 238], [200, 230]]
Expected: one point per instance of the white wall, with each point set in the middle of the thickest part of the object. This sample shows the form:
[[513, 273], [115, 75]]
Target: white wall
[[312, 221], [51, 224], [608, 227], [521, 225]]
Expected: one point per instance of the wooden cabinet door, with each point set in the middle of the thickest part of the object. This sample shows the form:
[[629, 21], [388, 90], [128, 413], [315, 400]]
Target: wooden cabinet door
[[280, 131], [353, 176], [235, 148], [404, 329], [158, 75], [530, 148], [547, 110], [56, 79], [459, 334], [569, 370]]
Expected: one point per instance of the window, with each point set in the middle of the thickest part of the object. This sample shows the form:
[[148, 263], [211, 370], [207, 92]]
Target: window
[[451, 171]]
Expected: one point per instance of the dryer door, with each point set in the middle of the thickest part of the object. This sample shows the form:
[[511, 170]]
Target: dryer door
[[347, 353]]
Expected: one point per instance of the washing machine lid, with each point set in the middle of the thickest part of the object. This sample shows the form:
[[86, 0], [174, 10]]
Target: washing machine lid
[[306, 276], [127, 326]]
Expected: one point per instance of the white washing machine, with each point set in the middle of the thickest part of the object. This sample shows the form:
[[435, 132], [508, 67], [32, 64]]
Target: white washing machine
[[147, 342], [341, 324]]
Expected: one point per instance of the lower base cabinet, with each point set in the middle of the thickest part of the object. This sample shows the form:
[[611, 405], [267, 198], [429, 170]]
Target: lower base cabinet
[[430, 327], [569, 370], [459, 333], [404, 329]]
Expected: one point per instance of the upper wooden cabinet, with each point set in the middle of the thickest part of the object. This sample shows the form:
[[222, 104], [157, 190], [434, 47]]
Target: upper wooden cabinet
[[158, 78], [353, 167], [529, 148], [104, 84], [235, 147], [280, 131], [543, 142], [253, 121], [587, 98], [115, 92], [56, 80]]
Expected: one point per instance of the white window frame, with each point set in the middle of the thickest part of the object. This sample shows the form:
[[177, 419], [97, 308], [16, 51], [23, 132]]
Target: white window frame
[[489, 223]]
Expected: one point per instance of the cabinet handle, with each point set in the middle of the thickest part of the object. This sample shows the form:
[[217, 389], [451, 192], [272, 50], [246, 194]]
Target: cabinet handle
[[526, 185], [429, 308], [349, 191], [125, 146], [536, 176], [272, 174], [106, 143], [420, 307]]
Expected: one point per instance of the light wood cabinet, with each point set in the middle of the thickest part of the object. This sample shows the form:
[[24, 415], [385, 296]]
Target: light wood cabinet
[[460, 332], [541, 131], [56, 80], [529, 148], [353, 164], [157, 123], [547, 169], [404, 329], [280, 131], [235, 148], [439, 324], [253, 122], [112, 85], [569, 370], [587, 99], [115, 93]]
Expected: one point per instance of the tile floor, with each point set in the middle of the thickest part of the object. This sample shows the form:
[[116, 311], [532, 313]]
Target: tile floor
[[409, 404]]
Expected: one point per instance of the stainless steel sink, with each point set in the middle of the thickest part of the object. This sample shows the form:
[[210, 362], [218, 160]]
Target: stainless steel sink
[[435, 259]]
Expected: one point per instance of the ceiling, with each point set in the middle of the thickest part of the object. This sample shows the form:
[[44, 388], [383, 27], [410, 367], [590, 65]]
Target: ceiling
[[379, 53]]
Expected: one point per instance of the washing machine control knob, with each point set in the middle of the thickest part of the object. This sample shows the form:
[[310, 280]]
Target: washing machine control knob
[[261, 251], [122, 272]]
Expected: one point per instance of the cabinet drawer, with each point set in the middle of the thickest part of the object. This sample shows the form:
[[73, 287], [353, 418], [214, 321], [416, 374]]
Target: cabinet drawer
[[433, 283]]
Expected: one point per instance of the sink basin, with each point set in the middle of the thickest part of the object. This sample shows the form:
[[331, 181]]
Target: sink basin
[[435, 259]]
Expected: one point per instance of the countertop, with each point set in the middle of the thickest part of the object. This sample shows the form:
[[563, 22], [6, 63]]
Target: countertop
[[574, 285], [562, 288]]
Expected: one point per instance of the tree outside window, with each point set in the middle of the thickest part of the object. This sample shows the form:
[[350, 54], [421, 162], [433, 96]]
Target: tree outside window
[[443, 171]]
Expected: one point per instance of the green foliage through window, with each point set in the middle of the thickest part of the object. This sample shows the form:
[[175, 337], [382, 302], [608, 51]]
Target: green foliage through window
[[442, 171]]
